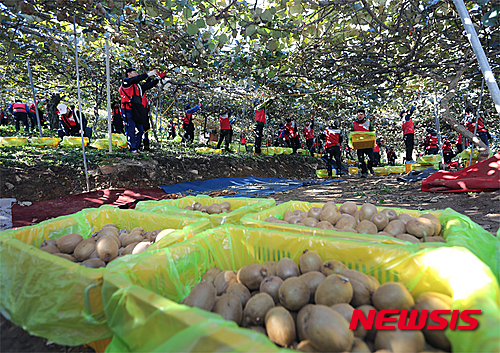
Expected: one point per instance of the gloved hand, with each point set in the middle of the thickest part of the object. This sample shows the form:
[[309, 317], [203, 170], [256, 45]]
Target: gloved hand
[[162, 74], [152, 73]]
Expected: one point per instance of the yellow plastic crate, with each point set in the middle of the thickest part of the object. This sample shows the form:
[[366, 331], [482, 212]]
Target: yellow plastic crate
[[74, 141], [360, 139], [141, 301], [45, 141], [287, 150], [60, 300], [381, 170], [353, 170], [429, 159], [409, 167], [397, 169], [323, 173], [303, 151], [278, 150], [13, 141], [425, 166], [268, 151], [350, 162]]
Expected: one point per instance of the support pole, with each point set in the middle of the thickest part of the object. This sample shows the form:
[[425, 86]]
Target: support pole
[[477, 119], [80, 105], [108, 96], [34, 98], [478, 50], [436, 115]]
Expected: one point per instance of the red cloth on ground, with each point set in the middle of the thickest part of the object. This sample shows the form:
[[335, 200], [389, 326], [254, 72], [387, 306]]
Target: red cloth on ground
[[41, 211], [482, 176]]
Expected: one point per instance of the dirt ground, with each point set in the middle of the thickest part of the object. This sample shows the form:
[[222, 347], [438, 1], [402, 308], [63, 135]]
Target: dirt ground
[[41, 183]]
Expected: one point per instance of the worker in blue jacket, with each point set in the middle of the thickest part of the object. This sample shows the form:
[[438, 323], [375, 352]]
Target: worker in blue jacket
[[187, 123]]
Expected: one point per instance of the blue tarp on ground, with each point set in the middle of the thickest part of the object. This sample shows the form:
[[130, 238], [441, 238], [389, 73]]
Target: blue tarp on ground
[[416, 175], [243, 186]]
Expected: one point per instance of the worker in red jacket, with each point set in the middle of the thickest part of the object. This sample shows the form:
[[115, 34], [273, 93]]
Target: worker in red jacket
[[171, 130], [447, 151], [309, 135], [376, 153], [116, 120], [20, 112], [225, 128], [408, 132], [260, 122], [431, 141], [333, 139], [481, 131], [293, 134], [363, 124]]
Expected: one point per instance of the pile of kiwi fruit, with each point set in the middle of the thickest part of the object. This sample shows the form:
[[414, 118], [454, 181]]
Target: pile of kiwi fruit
[[224, 207], [103, 246], [366, 220], [309, 306]]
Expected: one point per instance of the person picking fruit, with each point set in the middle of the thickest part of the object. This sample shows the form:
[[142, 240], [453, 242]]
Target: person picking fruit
[[363, 124]]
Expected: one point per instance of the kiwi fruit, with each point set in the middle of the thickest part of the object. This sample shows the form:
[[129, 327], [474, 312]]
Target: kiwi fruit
[[214, 209], [408, 237], [359, 346], [271, 219], [286, 268], [211, 274], [420, 227], [164, 233], [380, 220], [256, 309], [189, 208], [302, 315], [400, 341], [366, 227], [107, 248], [203, 208], [224, 280], [108, 231], [327, 330], [310, 261], [347, 230], [84, 249], [324, 225], [67, 243], [287, 215], [348, 207], [395, 227], [367, 211], [271, 267], [240, 291], [371, 283], [386, 234], [141, 246], [129, 248], [46, 242], [356, 216], [347, 311], [132, 237], [229, 307], [252, 275], [306, 346], [435, 239], [392, 296], [51, 249], [310, 222], [225, 205], [435, 222], [360, 294], [334, 289], [436, 338], [330, 214], [314, 212], [271, 285], [93, 263], [65, 256], [280, 326], [312, 279], [332, 266], [196, 206], [391, 214], [202, 296], [346, 221], [294, 293], [442, 297], [329, 204], [371, 333], [404, 217], [258, 329]]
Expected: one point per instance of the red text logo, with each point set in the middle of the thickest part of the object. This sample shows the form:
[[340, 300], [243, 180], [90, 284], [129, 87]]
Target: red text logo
[[413, 319]]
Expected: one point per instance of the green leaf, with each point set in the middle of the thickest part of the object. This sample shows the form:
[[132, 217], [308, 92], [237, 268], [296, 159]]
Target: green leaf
[[211, 21], [200, 23], [211, 46], [272, 73], [187, 13], [250, 30], [490, 18], [223, 38], [151, 12], [192, 29], [272, 45], [266, 16], [276, 34], [296, 9], [482, 2]]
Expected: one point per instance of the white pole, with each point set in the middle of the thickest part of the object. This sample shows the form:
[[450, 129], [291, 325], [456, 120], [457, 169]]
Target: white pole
[[34, 97], [438, 129], [478, 50], [108, 96], [80, 105]]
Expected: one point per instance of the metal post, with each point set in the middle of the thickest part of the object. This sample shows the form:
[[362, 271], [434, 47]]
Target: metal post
[[80, 104], [477, 119], [478, 50], [34, 98], [108, 96], [438, 130]]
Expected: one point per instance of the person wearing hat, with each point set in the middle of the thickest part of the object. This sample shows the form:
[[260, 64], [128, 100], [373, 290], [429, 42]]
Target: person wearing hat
[[68, 121], [408, 132], [363, 124], [133, 112], [225, 128], [431, 141], [260, 122], [309, 135], [391, 156], [447, 151], [481, 130], [187, 123], [333, 139]]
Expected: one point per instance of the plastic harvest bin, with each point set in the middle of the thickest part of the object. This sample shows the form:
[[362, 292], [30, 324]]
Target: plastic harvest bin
[[397, 169], [60, 300], [458, 230], [381, 170], [141, 295], [241, 206], [362, 139], [13, 141], [45, 141]]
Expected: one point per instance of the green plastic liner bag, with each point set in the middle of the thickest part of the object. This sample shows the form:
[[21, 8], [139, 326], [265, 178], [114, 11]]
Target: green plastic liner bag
[[60, 300], [240, 206], [140, 294]]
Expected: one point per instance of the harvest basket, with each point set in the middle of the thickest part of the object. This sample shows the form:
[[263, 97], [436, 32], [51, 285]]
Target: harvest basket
[[381, 170], [141, 296], [45, 141], [13, 141], [397, 169], [57, 299], [73, 141], [359, 140]]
